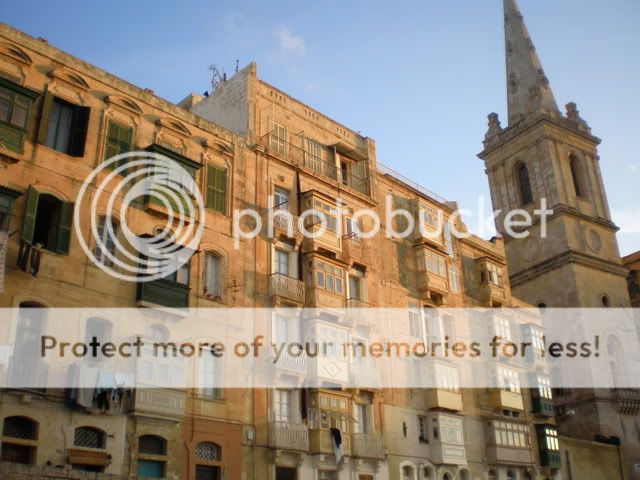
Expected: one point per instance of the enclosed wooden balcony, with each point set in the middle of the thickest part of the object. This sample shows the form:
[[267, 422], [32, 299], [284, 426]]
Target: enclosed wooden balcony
[[318, 298], [505, 400], [289, 436], [321, 441], [162, 292], [508, 455], [163, 403], [287, 288], [439, 399], [366, 445]]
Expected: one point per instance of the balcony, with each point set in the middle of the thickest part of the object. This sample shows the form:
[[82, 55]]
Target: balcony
[[365, 445], [162, 403], [490, 293], [288, 436], [322, 162], [505, 400], [444, 399], [286, 224], [628, 401], [292, 364], [321, 441], [550, 458], [508, 455], [27, 374], [428, 281], [448, 446], [287, 288], [162, 292], [318, 298], [365, 375], [542, 406]]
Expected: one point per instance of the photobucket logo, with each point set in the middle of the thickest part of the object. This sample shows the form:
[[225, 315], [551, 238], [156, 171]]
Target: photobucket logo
[[115, 192], [398, 223]]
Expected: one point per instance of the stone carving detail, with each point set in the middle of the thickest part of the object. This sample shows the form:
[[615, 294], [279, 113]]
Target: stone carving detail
[[494, 126], [573, 115]]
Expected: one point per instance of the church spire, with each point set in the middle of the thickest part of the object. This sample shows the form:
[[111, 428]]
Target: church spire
[[528, 87]]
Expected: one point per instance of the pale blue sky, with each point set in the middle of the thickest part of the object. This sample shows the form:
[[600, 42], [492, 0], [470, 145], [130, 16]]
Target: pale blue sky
[[418, 77]]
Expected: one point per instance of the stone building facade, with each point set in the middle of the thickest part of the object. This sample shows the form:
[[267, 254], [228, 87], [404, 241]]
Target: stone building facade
[[250, 145], [632, 262]]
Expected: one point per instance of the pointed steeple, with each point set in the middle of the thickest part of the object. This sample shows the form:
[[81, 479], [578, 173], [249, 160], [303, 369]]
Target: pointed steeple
[[528, 87]]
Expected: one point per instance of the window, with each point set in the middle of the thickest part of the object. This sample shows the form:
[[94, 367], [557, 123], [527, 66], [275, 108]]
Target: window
[[209, 375], [449, 328], [435, 263], [282, 262], [282, 405], [422, 428], [181, 275], [25, 431], [327, 211], [313, 155], [576, 176], [415, 322], [407, 473], [544, 387], [118, 140], [66, 126], [526, 195], [361, 417], [344, 172], [209, 452], [447, 377], [105, 248], [286, 330], [152, 445], [89, 437], [494, 275], [508, 380], [329, 277], [216, 194], [356, 283], [508, 434], [279, 138], [327, 475], [47, 222], [454, 279], [550, 435], [333, 340], [212, 274], [502, 328], [353, 229], [14, 104], [281, 199]]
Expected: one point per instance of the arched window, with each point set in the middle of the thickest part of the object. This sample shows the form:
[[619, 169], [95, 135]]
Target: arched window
[[209, 452], [152, 445], [150, 448], [408, 473], [89, 437], [427, 473], [25, 432], [492, 475], [208, 457], [511, 475], [576, 176], [524, 183]]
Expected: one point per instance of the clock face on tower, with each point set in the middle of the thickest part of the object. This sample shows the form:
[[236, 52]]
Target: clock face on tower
[[593, 240], [531, 249]]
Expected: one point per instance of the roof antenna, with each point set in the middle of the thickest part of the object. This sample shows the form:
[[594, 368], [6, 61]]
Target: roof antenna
[[237, 65], [216, 77]]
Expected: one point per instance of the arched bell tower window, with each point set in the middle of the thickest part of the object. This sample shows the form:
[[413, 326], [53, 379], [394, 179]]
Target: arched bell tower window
[[576, 176], [524, 184]]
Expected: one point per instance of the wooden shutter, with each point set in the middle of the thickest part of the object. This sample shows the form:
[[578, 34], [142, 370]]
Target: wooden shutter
[[64, 228], [47, 102], [79, 131], [29, 222], [216, 188], [111, 145]]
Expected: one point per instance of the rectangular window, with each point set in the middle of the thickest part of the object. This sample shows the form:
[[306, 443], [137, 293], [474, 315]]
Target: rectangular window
[[502, 328], [281, 199], [209, 373], [508, 380], [282, 405], [47, 222], [511, 435], [279, 138], [356, 284], [353, 229], [544, 387], [329, 277], [105, 248], [216, 195], [447, 377], [327, 211], [282, 262], [422, 428], [361, 418], [551, 439], [67, 124], [415, 322], [313, 155], [14, 107], [118, 140], [454, 279], [436, 264], [285, 330], [493, 274], [212, 274]]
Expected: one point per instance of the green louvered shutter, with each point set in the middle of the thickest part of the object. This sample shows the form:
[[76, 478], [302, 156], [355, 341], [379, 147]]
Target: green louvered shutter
[[118, 140], [64, 229], [29, 222], [47, 103], [216, 188]]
